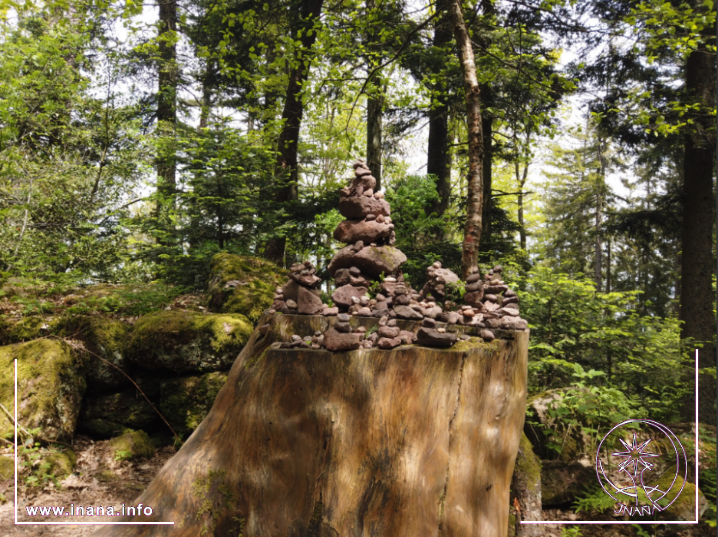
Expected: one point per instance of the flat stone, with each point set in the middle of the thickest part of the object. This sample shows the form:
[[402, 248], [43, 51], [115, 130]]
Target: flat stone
[[372, 260], [350, 231], [343, 318], [429, 323], [308, 303], [487, 335], [359, 207], [365, 312], [342, 296], [337, 341], [308, 280], [407, 337], [471, 278], [496, 289], [510, 300], [476, 286], [343, 327], [430, 337], [405, 312], [514, 323], [291, 304]]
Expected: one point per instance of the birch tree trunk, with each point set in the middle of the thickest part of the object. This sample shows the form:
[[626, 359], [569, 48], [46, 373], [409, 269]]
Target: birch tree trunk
[[475, 194]]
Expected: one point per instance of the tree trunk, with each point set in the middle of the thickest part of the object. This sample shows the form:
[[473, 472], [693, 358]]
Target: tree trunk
[[287, 172], [598, 254], [697, 259], [410, 442], [206, 104], [167, 97], [487, 127], [475, 194], [438, 156], [521, 180], [374, 114]]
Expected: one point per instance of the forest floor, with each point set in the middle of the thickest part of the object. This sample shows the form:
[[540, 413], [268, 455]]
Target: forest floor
[[98, 480]]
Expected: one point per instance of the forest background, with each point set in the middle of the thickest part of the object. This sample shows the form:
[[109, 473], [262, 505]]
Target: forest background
[[138, 140]]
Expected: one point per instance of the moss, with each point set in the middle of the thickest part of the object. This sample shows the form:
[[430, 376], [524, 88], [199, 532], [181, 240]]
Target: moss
[[186, 401], [7, 468], [187, 341], [244, 285], [216, 497], [684, 506], [62, 463], [106, 476], [134, 445], [106, 338], [109, 415], [474, 343], [50, 387], [25, 329], [527, 463]]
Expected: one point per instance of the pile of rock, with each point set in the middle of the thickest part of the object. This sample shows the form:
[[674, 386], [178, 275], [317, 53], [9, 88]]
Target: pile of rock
[[438, 281], [301, 293]]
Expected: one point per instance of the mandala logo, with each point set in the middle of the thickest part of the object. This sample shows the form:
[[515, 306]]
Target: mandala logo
[[638, 474]]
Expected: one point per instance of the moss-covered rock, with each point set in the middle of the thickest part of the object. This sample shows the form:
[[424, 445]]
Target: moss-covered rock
[[562, 483], [23, 329], [62, 463], [103, 337], [134, 445], [50, 387], [109, 415], [684, 506], [186, 401], [7, 468], [246, 285], [188, 342], [526, 488]]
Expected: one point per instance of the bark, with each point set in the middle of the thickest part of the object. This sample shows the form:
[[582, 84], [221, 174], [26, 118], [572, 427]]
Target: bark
[[374, 116], [438, 157], [167, 95], [487, 127], [598, 247], [206, 104], [287, 171], [475, 194], [697, 258], [409, 442], [521, 180]]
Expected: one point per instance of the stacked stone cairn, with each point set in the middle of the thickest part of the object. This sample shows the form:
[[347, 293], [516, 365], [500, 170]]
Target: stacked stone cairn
[[361, 265]]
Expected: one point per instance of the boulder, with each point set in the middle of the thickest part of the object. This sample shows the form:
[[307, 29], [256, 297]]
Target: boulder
[[371, 260], [358, 207], [242, 284], [342, 296], [51, 384], [562, 482], [186, 401], [351, 231], [105, 416], [405, 312], [187, 342]]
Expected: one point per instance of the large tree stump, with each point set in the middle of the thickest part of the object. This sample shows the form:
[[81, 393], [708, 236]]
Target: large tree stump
[[411, 442]]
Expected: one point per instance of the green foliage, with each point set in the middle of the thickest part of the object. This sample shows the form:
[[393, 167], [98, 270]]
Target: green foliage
[[595, 499]]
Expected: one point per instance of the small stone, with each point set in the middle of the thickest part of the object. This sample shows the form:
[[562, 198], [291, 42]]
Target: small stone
[[453, 317], [384, 320], [378, 195], [433, 338], [441, 330], [296, 337], [271, 311], [365, 312], [392, 322], [360, 330], [380, 219], [390, 279], [405, 312], [354, 271], [388, 331], [344, 296], [487, 335], [343, 317], [343, 327], [291, 304], [429, 323], [476, 286], [364, 301], [369, 193], [371, 217], [387, 343], [494, 322], [330, 311], [316, 346]]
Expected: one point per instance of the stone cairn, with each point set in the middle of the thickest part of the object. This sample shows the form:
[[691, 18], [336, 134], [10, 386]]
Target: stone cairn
[[369, 255]]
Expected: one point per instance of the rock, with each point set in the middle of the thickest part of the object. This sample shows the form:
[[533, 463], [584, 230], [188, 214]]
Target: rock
[[50, 387], [186, 342], [357, 208], [453, 317], [337, 341], [405, 312], [105, 416], [61, 463], [308, 303], [401, 300], [134, 445], [496, 289], [291, 304], [185, 401], [429, 323], [106, 338], [514, 323], [378, 195], [258, 279], [388, 331], [343, 327], [342, 296], [562, 482], [330, 311], [477, 286], [471, 278], [365, 312], [307, 280], [487, 335], [291, 291], [372, 261], [388, 343], [684, 507], [344, 318], [474, 298], [350, 231], [430, 337]]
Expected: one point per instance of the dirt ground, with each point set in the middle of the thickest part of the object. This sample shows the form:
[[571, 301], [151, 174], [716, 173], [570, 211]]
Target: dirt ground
[[98, 480]]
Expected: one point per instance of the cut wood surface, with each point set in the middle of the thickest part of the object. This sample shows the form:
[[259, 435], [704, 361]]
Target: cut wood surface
[[410, 442]]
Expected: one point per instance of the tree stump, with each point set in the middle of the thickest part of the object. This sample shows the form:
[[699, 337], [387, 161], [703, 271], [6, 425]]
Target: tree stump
[[411, 442]]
